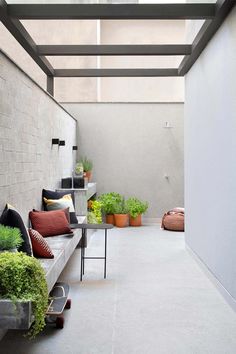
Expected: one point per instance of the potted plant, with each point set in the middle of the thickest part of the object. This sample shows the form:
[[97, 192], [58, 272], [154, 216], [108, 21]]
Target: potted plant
[[109, 202], [22, 279], [121, 214], [10, 238], [95, 213], [136, 208], [87, 166], [79, 169]]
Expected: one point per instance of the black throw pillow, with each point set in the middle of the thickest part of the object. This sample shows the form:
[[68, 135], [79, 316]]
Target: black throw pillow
[[10, 217], [48, 194]]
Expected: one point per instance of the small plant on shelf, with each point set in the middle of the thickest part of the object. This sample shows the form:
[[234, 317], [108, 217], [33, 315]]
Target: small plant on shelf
[[10, 238], [136, 208], [87, 166], [22, 278]]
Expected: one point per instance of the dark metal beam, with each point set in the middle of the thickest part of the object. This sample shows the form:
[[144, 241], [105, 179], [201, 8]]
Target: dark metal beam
[[111, 11], [171, 49], [50, 85], [205, 34], [115, 72], [22, 36]]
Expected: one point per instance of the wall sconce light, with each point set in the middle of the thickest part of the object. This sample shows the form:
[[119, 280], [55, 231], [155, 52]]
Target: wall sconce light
[[55, 141], [75, 147], [62, 143]]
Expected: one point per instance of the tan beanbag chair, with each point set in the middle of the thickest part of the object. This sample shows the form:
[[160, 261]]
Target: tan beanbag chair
[[173, 220]]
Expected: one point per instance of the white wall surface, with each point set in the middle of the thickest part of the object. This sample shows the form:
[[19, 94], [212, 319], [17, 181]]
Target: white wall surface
[[210, 150], [132, 151], [29, 119]]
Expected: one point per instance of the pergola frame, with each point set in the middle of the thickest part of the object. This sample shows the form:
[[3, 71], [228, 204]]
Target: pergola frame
[[213, 14]]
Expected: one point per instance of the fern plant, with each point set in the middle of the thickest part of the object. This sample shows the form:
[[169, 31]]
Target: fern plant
[[10, 238]]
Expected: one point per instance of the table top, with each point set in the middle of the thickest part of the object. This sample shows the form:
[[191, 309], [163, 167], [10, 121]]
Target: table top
[[91, 226]]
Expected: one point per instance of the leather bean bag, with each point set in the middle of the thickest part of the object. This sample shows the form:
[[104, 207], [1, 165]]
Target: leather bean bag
[[173, 220]]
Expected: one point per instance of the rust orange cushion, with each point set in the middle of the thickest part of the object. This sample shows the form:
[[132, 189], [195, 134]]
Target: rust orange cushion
[[40, 246], [50, 223]]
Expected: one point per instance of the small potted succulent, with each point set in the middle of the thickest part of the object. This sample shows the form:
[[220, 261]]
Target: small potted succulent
[[109, 202], [10, 238], [79, 169], [121, 214], [87, 166], [136, 208]]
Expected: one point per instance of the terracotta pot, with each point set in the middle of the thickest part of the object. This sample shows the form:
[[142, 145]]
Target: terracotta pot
[[121, 220], [88, 175], [110, 219], [135, 221]]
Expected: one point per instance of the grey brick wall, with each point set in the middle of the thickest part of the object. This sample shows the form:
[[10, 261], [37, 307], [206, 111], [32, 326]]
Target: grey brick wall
[[29, 119]]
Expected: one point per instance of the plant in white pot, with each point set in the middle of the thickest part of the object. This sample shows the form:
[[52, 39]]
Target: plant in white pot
[[10, 238]]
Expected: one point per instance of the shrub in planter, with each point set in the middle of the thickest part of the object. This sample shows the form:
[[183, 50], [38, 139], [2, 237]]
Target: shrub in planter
[[10, 238], [135, 208], [109, 202], [23, 278], [121, 214]]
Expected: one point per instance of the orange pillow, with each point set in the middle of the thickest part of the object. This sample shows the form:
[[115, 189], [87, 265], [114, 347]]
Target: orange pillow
[[50, 223], [40, 246]]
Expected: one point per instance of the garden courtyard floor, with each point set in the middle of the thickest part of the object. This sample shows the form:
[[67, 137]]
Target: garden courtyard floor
[[155, 300]]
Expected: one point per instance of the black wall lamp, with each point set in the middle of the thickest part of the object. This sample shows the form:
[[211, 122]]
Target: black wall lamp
[[55, 141], [62, 143], [75, 147]]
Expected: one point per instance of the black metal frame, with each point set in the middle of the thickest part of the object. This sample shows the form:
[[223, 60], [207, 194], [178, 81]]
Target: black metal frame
[[214, 15]]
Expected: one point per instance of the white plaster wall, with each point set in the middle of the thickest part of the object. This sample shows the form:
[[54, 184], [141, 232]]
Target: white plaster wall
[[132, 151], [210, 150], [29, 119]]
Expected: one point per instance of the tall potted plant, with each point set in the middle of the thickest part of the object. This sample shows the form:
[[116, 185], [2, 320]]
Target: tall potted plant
[[22, 279], [121, 214], [136, 208], [10, 238], [87, 165], [109, 202]]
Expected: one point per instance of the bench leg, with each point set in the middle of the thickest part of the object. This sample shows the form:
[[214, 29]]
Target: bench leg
[[105, 259]]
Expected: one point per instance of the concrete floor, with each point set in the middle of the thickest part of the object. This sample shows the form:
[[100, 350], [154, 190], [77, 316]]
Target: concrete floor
[[156, 300]]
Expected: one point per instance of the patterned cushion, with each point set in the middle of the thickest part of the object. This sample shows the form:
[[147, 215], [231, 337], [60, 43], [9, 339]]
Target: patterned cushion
[[11, 217], [50, 223], [48, 194], [40, 245], [62, 203]]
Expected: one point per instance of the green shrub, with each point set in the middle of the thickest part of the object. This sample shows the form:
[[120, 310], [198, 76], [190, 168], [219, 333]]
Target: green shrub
[[136, 207], [10, 237], [109, 202], [23, 278], [95, 215], [121, 207]]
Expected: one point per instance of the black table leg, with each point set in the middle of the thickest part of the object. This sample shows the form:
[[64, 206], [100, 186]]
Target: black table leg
[[105, 259]]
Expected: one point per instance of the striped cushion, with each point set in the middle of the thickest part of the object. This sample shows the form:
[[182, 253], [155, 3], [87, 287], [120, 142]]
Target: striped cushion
[[40, 246]]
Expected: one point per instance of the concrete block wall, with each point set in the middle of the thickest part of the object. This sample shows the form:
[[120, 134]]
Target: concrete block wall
[[29, 119]]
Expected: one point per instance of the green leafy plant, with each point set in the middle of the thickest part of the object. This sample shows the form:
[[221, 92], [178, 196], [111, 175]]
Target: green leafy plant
[[87, 163], [109, 202], [95, 215], [10, 238], [22, 278], [121, 207], [136, 207]]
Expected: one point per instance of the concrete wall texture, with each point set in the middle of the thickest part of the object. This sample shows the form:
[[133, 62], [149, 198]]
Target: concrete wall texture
[[29, 119], [132, 152], [210, 149]]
